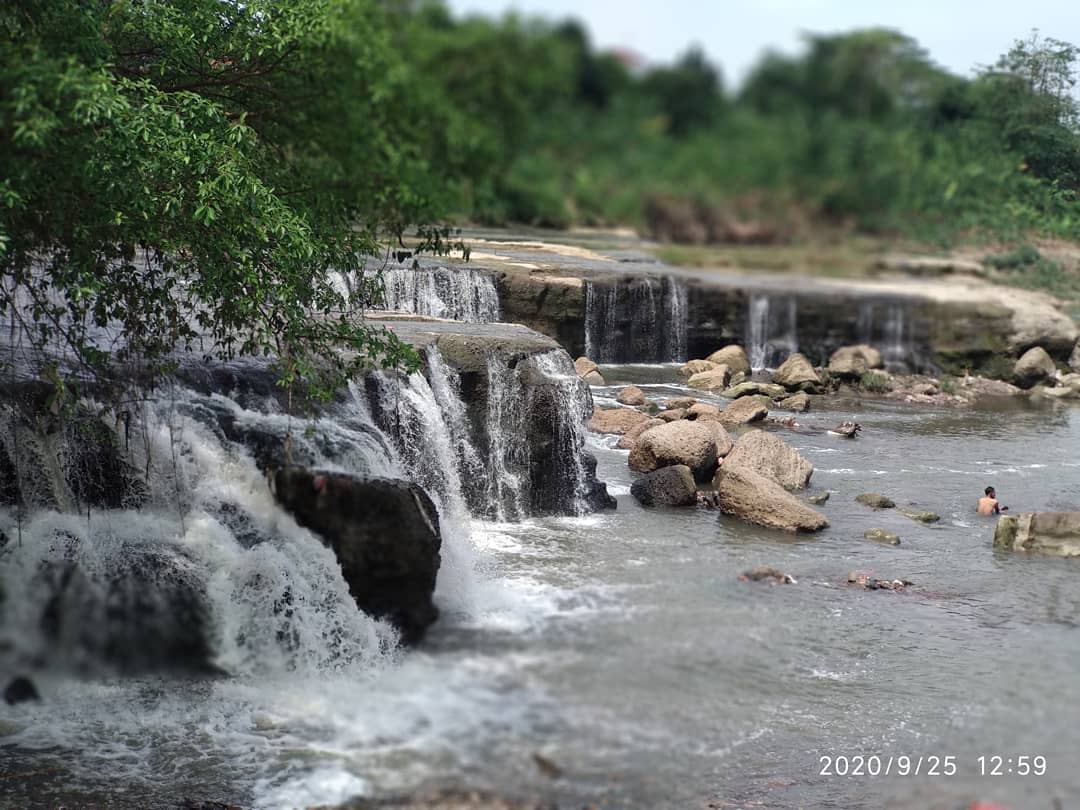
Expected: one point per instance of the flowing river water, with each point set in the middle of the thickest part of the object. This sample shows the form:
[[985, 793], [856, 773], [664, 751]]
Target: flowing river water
[[623, 647]]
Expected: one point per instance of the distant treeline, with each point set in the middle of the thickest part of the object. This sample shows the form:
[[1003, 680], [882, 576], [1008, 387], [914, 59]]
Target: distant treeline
[[861, 130]]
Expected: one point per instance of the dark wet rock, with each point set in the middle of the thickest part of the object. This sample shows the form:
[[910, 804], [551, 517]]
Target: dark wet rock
[[596, 495], [1034, 366], [668, 486], [447, 800], [881, 536], [797, 373], [798, 402], [734, 357], [772, 457], [768, 573], [615, 420], [690, 443], [631, 395], [385, 534], [196, 804], [819, 499], [875, 500], [708, 498], [921, 516], [20, 690], [1053, 533], [851, 362], [849, 430]]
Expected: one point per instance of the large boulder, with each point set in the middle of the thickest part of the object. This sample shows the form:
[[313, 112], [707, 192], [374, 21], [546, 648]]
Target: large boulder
[[1036, 322], [631, 395], [724, 444], [385, 534], [752, 497], [753, 388], [770, 456], [668, 486], [715, 379], [588, 371], [629, 439], [1034, 366], [797, 374], [851, 362], [615, 420], [682, 442], [733, 357], [743, 411], [692, 367], [1056, 533]]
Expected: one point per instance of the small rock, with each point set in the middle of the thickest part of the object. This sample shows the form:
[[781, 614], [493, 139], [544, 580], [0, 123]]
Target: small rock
[[631, 395], [733, 357], [851, 362], [819, 499], [20, 690], [768, 572], [672, 415], [797, 374], [881, 536], [849, 430], [588, 371], [715, 379], [743, 411], [751, 388], [921, 516], [695, 367], [799, 402], [875, 500]]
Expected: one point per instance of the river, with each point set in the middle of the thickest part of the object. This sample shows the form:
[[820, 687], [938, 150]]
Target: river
[[623, 647]]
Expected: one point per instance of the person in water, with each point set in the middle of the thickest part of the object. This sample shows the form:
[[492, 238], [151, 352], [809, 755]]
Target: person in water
[[988, 504]]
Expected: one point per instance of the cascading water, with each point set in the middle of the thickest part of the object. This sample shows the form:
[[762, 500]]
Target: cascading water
[[639, 320], [771, 330], [507, 453], [892, 334], [456, 293]]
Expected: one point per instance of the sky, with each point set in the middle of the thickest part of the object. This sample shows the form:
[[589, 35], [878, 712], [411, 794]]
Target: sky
[[733, 33]]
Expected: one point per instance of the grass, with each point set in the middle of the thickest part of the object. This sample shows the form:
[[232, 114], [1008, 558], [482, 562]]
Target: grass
[[874, 382], [1026, 267]]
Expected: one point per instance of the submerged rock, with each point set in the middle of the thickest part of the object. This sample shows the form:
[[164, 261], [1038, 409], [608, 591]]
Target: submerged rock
[[881, 536], [20, 690], [734, 357], [921, 516], [1034, 366], [668, 486], [767, 572], [851, 362], [1055, 533], [871, 583], [682, 442], [385, 534], [875, 500], [819, 499]]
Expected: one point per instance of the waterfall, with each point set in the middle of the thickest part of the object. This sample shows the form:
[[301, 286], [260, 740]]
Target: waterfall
[[892, 335], [637, 320], [771, 330], [455, 293], [507, 451]]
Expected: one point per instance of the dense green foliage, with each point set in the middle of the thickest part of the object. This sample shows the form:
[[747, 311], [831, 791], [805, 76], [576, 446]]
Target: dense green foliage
[[186, 174], [189, 173]]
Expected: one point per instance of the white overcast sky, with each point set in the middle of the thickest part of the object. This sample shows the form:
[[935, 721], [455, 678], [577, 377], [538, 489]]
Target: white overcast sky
[[958, 35]]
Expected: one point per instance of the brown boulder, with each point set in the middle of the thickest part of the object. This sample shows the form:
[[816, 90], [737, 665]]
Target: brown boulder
[[668, 486], [743, 411], [631, 395], [588, 371], [715, 379], [672, 415], [752, 497], [851, 362], [733, 357], [629, 439], [770, 456], [689, 369], [1033, 367], [701, 409], [615, 420], [797, 374], [798, 402], [680, 402], [682, 442]]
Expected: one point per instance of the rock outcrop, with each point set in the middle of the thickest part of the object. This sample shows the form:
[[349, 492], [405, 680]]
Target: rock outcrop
[[1056, 533], [385, 533], [668, 486], [851, 362], [690, 443]]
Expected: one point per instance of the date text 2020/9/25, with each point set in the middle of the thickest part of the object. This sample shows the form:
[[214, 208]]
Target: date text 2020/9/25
[[928, 765]]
